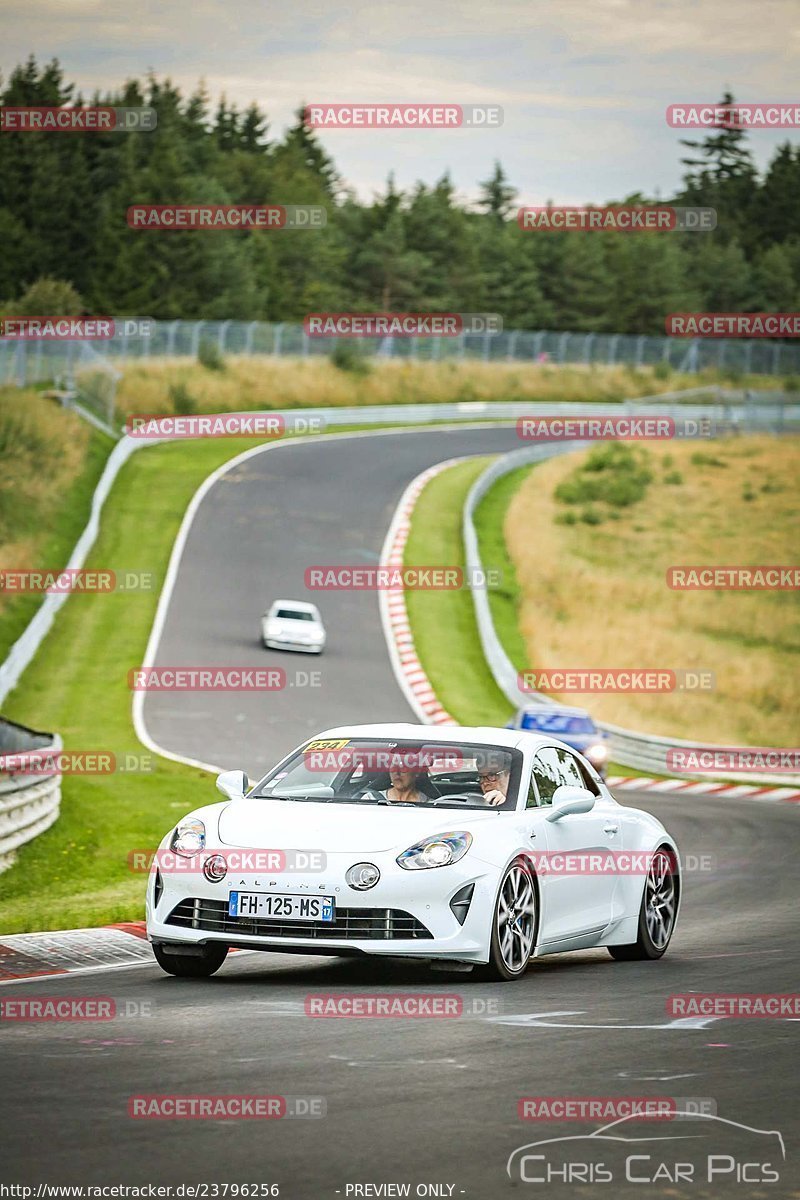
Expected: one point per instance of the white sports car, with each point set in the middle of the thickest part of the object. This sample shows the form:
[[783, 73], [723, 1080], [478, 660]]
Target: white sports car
[[293, 625], [500, 846]]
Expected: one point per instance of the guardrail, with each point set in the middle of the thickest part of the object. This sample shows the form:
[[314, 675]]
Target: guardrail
[[29, 804], [642, 751]]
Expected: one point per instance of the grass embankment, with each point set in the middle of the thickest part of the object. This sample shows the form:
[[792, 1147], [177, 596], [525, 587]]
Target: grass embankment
[[443, 622], [51, 462], [76, 873], [592, 538], [184, 385]]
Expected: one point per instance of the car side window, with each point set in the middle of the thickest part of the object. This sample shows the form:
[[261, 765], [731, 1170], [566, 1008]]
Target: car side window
[[590, 781], [546, 772], [570, 770]]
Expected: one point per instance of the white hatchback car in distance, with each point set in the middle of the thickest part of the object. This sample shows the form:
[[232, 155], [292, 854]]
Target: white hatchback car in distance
[[293, 625]]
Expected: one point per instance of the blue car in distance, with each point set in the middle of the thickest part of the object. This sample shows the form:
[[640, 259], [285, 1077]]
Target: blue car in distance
[[573, 726]]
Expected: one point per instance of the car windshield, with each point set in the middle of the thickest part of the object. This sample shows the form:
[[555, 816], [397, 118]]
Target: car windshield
[[292, 614], [400, 773], [557, 723]]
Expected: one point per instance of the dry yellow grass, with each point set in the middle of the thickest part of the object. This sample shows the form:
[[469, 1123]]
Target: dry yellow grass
[[597, 596], [42, 452], [254, 383]]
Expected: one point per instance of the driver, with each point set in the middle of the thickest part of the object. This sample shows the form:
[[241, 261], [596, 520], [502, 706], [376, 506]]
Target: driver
[[493, 779]]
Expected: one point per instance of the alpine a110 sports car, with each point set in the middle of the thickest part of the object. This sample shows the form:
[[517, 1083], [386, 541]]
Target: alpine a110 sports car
[[501, 846]]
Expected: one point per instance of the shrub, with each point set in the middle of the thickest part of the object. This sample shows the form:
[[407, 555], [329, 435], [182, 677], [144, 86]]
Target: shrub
[[208, 355], [614, 474], [673, 477], [181, 399], [349, 357], [591, 516]]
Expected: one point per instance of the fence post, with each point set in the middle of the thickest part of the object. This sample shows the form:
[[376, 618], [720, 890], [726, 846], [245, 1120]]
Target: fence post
[[612, 349], [223, 330], [171, 335], [248, 342]]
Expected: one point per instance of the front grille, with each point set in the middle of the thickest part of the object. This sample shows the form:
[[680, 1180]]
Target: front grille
[[351, 924]]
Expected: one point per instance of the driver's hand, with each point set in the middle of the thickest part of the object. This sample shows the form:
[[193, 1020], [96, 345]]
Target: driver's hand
[[495, 797]]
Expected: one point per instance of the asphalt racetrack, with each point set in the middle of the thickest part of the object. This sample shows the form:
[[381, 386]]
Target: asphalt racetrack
[[424, 1102]]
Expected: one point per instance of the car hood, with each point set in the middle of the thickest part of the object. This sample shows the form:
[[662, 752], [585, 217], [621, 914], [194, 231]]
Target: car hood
[[360, 829]]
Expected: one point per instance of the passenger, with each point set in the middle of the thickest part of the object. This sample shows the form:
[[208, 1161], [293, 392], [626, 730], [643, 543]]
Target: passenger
[[405, 787]]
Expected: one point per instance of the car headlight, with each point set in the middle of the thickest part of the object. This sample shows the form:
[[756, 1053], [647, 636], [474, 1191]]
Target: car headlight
[[189, 838], [438, 851], [599, 753], [362, 876]]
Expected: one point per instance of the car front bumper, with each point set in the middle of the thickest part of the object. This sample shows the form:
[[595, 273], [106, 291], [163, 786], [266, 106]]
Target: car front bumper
[[407, 913]]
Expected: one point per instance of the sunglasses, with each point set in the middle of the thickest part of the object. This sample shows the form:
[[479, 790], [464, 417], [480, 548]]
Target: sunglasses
[[491, 775]]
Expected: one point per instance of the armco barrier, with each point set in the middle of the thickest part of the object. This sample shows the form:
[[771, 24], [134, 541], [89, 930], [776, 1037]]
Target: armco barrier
[[29, 804], [642, 751]]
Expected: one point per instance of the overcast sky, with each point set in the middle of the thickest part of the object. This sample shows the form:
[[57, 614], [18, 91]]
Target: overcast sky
[[583, 83]]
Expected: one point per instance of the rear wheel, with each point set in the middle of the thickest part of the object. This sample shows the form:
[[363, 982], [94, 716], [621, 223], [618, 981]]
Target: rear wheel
[[199, 964], [657, 913], [513, 925]]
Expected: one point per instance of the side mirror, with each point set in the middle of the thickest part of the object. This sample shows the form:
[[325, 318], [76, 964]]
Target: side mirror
[[233, 784], [568, 800]]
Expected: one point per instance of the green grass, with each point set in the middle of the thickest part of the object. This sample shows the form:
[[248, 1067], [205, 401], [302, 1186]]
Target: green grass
[[503, 598], [76, 873], [443, 622], [68, 524]]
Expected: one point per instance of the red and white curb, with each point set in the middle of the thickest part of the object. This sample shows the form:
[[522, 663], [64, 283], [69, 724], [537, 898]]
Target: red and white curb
[[39, 956], [409, 670], [691, 787]]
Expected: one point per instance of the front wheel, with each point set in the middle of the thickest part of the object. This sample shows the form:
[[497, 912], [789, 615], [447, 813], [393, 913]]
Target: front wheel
[[657, 913], [202, 962], [513, 925]]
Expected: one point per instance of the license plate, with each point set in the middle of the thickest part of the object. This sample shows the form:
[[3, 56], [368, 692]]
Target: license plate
[[280, 907]]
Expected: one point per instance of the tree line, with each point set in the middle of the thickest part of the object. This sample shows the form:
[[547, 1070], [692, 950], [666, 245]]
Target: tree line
[[64, 198]]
